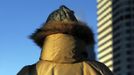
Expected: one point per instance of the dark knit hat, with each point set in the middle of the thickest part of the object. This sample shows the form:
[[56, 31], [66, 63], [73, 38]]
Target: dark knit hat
[[63, 21]]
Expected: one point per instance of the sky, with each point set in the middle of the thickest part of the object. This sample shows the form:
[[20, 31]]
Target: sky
[[20, 18]]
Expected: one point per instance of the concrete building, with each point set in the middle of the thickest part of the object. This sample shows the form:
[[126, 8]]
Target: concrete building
[[116, 35]]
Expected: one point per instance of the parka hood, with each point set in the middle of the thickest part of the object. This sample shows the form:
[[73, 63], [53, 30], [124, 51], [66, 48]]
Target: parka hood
[[63, 48]]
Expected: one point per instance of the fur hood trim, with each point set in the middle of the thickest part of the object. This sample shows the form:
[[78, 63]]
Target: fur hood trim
[[76, 29]]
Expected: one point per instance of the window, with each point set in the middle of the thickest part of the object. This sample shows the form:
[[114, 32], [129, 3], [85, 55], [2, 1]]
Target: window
[[130, 52], [129, 73], [116, 62], [129, 45], [116, 49], [117, 69], [116, 42], [115, 56], [130, 59]]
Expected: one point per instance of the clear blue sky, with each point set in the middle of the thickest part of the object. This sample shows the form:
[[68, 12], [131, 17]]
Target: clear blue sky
[[19, 18]]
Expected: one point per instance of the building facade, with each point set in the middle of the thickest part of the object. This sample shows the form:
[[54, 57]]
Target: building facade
[[116, 35]]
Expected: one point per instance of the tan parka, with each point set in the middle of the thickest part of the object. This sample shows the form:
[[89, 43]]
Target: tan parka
[[62, 55]]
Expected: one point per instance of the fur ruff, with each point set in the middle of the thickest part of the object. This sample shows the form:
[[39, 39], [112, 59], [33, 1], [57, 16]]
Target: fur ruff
[[77, 29]]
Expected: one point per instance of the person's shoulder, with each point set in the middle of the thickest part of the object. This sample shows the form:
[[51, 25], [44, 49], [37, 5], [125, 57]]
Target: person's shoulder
[[96, 64], [100, 67], [26, 70]]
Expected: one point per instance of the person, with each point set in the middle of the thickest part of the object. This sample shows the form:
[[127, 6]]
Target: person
[[65, 44]]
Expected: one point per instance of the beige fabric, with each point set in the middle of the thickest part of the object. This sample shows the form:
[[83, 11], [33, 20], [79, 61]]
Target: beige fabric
[[60, 56], [51, 68], [62, 48]]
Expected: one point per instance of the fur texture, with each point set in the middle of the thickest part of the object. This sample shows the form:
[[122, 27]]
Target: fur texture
[[77, 29]]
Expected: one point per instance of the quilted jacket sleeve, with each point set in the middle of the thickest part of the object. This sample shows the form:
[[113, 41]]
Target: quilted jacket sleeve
[[101, 68]]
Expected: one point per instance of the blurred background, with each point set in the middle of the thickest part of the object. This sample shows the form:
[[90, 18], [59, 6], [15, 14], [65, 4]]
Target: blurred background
[[20, 18]]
